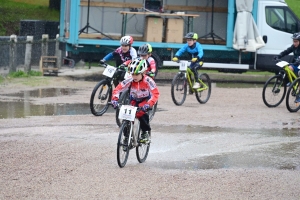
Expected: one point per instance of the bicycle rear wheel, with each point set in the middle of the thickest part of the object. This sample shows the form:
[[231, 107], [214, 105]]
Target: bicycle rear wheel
[[151, 113], [179, 89], [123, 147], [100, 97], [124, 100], [292, 92], [274, 91], [142, 149], [203, 93]]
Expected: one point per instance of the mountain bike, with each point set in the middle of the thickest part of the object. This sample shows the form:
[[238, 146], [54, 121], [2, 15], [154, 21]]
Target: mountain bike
[[292, 93], [275, 87], [124, 99], [184, 78], [102, 92], [131, 128]]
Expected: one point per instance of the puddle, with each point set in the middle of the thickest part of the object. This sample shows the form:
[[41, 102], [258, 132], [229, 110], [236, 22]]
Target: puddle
[[196, 147], [22, 107], [46, 92]]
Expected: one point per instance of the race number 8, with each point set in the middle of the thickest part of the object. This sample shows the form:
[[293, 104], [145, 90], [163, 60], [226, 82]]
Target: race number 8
[[183, 65]]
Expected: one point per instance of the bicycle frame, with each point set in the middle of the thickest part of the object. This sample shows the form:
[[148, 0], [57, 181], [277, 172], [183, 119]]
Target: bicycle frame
[[188, 74], [290, 75]]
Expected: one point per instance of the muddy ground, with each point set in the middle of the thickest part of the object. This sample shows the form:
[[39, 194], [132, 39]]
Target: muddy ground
[[74, 156]]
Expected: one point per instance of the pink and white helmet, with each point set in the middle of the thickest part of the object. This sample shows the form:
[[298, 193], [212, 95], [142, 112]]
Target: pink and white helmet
[[126, 40]]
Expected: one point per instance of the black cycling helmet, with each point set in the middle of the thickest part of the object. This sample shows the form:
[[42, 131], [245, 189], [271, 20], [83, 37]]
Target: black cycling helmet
[[296, 36], [145, 49], [191, 35]]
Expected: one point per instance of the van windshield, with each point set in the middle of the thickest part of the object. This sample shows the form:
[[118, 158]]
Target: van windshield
[[282, 19]]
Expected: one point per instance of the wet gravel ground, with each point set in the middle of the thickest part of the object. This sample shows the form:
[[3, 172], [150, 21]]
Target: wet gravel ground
[[74, 157]]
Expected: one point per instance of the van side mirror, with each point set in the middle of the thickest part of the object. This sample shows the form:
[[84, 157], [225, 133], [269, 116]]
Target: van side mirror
[[265, 39]]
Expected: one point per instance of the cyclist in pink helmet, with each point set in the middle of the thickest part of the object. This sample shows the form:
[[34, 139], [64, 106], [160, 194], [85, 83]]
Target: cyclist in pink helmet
[[123, 54]]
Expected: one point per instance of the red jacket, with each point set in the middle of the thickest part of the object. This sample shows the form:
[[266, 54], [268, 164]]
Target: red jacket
[[151, 64], [144, 90]]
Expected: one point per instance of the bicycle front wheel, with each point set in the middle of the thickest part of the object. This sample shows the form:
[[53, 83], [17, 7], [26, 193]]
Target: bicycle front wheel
[[292, 92], [123, 144], [100, 97], [203, 93], [179, 89], [274, 91], [142, 149], [124, 100]]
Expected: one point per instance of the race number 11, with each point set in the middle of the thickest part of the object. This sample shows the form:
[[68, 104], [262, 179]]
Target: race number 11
[[127, 112]]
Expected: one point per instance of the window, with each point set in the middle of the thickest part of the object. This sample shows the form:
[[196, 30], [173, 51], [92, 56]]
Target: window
[[282, 19]]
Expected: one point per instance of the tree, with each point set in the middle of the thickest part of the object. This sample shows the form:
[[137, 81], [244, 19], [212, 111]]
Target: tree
[[54, 4]]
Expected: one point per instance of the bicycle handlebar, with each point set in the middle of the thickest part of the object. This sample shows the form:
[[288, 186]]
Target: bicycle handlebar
[[105, 65], [138, 108]]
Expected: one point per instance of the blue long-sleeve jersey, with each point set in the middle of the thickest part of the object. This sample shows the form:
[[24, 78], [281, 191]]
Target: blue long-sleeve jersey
[[195, 50]]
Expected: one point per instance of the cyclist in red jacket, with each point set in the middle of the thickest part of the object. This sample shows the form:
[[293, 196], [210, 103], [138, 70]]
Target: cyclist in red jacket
[[143, 93], [145, 52]]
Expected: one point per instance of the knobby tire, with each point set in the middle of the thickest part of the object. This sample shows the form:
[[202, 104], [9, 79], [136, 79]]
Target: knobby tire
[[105, 93], [204, 95], [179, 85], [122, 156], [142, 149], [274, 91], [291, 96]]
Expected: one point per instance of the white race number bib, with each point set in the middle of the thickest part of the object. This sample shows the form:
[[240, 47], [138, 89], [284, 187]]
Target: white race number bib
[[127, 112], [183, 65], [282, 64], [109, 71]]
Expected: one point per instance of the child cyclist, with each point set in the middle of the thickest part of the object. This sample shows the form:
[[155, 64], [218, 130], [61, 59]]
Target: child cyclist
[[145, 52], [143, 93], [195, 49], [123, 54], [295, 48]]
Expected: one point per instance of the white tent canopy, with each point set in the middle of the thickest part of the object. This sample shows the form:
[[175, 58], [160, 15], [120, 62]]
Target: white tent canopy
[[246, 36]]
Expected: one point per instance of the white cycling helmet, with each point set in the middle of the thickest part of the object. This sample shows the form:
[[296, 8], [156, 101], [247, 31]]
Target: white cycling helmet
[[137, 66], [126, 40]]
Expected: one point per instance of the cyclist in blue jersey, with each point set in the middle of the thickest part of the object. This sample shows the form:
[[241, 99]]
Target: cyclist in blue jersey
[[195, 49]]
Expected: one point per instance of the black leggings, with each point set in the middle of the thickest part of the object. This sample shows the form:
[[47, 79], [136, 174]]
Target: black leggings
[[194, 67], [144, 122]]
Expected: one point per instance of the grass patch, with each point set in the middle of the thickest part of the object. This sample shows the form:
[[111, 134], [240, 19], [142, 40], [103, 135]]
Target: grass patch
[[32, 81], [22, 74], [208, 71], [294, 5], [34, 2], [13, 11]]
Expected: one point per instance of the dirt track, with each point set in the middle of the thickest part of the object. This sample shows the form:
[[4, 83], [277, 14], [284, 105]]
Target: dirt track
[[74, 157]]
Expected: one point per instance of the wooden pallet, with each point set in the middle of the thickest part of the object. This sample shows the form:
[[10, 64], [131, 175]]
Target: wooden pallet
[[48, 65]]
